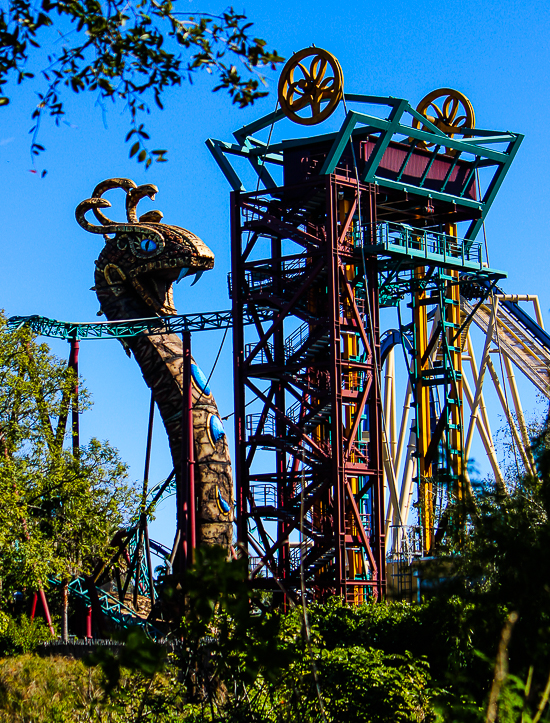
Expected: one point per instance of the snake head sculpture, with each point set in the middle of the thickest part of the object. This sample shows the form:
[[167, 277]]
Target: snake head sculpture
[[142, 257]]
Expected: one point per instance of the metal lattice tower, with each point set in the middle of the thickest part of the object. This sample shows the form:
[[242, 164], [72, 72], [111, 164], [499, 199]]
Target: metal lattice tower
[[361, 218]]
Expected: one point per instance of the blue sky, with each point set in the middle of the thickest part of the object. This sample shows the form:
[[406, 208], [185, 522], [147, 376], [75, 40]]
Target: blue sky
[[495, 53]]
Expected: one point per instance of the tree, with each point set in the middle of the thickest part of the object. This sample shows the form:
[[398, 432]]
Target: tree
[[58, 509], [125, 51]]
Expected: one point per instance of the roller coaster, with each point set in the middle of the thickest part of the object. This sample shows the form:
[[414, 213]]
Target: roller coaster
[[335, 494]]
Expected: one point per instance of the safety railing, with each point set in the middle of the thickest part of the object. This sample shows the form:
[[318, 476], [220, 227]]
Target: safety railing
[[264, 356], [253, 425], [264, 495], [402, 239]]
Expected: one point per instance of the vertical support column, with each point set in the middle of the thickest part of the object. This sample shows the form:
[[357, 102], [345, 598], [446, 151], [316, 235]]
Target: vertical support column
[[185, 494], [280, 426], [89, 622], [455, 396], [336, 425], [378, 535], [73, 364], [423, 412], [237, 281], [143, 533], [46, 610], [190, 453]]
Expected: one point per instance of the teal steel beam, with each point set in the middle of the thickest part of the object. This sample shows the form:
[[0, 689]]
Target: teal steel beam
[[504, 138], [428, 137], [210, 321], [258, 125], [495, 185], [246, 151], [357, 124], [410, 188], [259, 166], [392, 124], [486, 132], [224, 165], [314, 140], [406, 161], [263, 174], [340, 142], [373, 99]]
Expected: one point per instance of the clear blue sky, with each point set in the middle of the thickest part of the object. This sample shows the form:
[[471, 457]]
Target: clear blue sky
[[495, 53]]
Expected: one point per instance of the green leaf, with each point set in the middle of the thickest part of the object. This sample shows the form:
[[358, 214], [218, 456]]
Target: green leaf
[[134, 149]]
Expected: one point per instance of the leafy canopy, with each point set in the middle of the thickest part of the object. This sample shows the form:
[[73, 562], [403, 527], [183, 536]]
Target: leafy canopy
[[133, 52], [58, 511]]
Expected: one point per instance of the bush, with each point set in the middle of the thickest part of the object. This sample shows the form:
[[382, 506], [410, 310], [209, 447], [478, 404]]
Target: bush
[[21, 635]]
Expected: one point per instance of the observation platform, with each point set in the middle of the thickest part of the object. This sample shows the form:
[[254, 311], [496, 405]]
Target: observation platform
[[431, 248]]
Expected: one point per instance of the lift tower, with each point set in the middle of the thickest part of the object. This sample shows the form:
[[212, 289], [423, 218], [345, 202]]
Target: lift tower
[[347, 222]]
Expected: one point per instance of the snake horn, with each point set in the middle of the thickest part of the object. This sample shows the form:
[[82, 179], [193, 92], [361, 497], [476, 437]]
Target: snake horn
[[134, 197], [93, 204], [125, 183]]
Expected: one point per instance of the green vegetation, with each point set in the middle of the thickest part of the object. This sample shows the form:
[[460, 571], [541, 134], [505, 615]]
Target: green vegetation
[[132, 54], [476, 651], [58, 510]]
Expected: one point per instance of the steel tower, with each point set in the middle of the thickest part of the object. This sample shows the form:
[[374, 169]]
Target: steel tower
[[347, 222]]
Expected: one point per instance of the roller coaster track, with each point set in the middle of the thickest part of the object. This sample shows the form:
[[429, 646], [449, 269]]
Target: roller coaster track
[[209, 321], [120, 614], [520, 338]]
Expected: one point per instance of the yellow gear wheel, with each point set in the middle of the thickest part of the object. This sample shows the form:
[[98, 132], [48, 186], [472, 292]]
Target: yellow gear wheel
[[447, 109], [317, 88]]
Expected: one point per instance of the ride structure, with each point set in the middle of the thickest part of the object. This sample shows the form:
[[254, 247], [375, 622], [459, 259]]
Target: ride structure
[[380, 212], [347, 222]]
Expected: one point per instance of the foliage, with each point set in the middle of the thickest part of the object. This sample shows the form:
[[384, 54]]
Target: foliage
[[237, 661], [34, 388], [504, 565], [20, 634], [476, 651], [58, 511], [365, 684], [62, 690], [133, 52]]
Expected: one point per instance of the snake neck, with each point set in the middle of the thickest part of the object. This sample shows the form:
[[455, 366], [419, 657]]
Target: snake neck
[[160, 358]]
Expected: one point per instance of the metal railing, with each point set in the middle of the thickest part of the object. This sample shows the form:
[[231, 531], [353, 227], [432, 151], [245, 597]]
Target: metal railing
[[430, 245], [262, 356], [264, 495], [253, 421]]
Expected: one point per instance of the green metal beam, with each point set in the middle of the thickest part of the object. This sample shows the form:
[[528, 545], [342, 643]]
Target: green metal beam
[[210, 321], [215, 148], [387, 129], [391, 126], [258, 125]]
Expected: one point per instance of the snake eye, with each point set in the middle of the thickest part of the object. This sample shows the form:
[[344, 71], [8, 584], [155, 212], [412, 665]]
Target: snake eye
[[148, 245]]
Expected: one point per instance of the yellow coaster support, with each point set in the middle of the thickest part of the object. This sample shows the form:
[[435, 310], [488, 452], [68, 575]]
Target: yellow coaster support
[[423, 416], [438, 395]]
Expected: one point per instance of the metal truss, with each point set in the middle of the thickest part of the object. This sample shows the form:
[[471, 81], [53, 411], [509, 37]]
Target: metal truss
[[307, 394], [383, 148], [363, 217], [41, 325], [521, 343]]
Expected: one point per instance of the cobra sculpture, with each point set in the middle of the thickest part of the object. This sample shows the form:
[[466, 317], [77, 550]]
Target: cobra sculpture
[[134, 274]]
